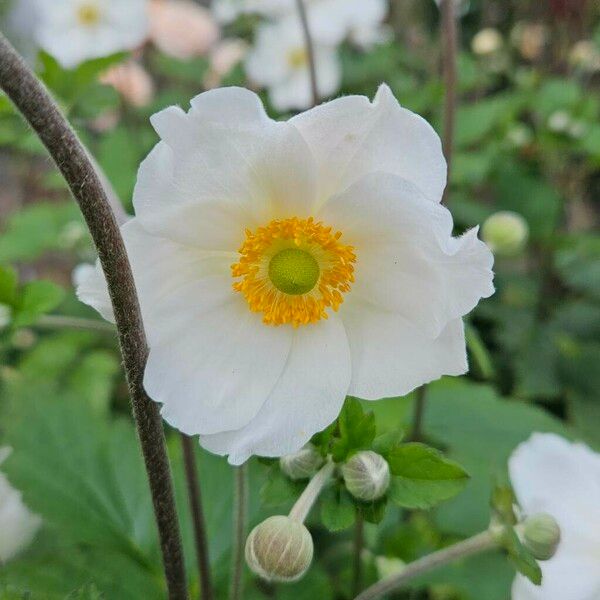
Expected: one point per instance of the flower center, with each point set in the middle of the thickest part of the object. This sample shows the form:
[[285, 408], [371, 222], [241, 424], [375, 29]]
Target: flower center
[[297, 58], [292, 270], [88, 14]]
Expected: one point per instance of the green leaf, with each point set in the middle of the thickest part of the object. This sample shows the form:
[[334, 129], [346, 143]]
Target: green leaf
[[521, 558], [423, 477], [279, 490], [356, 430], [37, 298], [337, 509], [383, 444], [8, 285], [372, 512]]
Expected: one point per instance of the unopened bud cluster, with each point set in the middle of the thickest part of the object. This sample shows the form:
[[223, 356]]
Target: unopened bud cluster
[[366, 475]]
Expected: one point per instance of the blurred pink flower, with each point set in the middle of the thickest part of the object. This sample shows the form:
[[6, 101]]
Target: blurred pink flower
[[132, 81], [181, 28], [223, 57]]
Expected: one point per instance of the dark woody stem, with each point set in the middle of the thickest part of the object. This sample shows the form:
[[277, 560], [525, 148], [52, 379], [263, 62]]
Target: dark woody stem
[[310, 51], [41, 112]]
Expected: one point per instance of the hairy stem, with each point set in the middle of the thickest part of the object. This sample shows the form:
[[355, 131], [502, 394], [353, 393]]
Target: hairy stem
[[198, 521], [310, 51], [477, 544], [449, 52], [240, 527], [311, 492], [35, 104]]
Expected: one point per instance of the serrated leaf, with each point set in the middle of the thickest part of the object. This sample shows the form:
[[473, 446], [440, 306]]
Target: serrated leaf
[[337, 509], [521, 558], [356, 430], [423, 477], [383, 444]]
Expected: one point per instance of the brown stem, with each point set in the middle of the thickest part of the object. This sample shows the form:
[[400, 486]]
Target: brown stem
[[449, 38], [195, 500], [310, 51], [35, 104], [359, 528], [239, 532]]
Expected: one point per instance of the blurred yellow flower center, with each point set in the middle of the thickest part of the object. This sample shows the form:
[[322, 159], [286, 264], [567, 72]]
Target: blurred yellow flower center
[[297, 58], [292, 270], [88, 14]]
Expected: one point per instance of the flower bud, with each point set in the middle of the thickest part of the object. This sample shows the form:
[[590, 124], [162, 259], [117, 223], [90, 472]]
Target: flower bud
[[279, 549], [505, 232], [367, 476], [487, 41], [541, 535], [302, 464]]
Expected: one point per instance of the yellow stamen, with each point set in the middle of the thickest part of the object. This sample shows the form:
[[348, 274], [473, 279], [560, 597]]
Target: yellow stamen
[[297, 58], [88, 14], [268, 257]]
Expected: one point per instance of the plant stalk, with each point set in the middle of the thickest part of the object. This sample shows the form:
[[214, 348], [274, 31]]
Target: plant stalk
[[240, 528], [41, 112], [477, 544], [310, 51], [198, 521], [311, 492]]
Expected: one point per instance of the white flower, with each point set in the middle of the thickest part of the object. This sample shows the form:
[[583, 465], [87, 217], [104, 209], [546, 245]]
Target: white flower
[[487, 41], [18, 525], [74, 31], [346, 278], [279, 61], [554, 476]]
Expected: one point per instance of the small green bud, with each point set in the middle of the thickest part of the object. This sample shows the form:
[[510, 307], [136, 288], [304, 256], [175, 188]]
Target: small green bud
[[302, 464], [541, 535], [366, 475], [505, 232], [279, 549]]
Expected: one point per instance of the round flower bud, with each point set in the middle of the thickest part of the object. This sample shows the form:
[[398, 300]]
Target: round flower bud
[[541, 535], [505, 232], [367, 476], [302, 464], [279, 549]]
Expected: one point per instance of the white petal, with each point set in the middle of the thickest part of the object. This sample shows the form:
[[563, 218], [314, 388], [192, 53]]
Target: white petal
[[308, 397], [91, 289], [571, 578], [209, 179], [391, 357], [551, 474], [351, 137], [407, 259]]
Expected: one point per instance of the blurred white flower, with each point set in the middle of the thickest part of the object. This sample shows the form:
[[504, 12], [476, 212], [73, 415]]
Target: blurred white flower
[[554, 476], [74, 31], [281, 266], [279, 61], [487, 41], [224, 56], [18, 525], [132, 81], [559, 121], [182, 28], [585, 54]]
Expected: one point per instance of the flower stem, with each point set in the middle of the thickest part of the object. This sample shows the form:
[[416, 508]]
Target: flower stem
[[310, 51], [33, 101], [311, 492], [195, 500], [66, 322], [477, 544], [359, 531], [416, 435], [449, 52], [239, 532]]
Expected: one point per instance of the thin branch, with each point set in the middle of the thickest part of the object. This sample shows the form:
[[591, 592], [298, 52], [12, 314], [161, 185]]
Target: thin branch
[[240, 527], [36, 105], [416, 434], [477, 544], [195, 500], [310, 51], [359, 531], [449, 54], [66, 322], [311, 492]]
